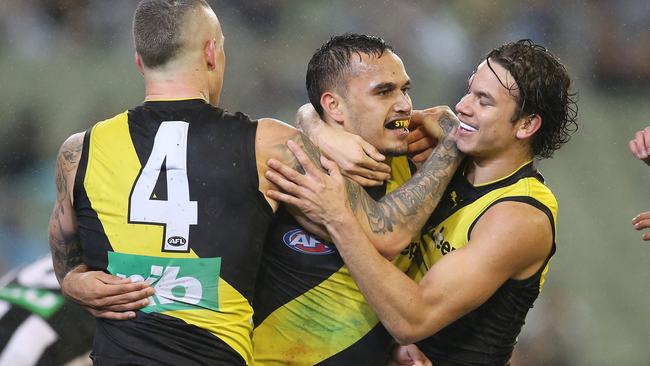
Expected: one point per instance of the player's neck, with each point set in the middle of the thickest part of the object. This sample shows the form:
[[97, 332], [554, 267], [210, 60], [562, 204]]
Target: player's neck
[[479, 171], [169, 86]]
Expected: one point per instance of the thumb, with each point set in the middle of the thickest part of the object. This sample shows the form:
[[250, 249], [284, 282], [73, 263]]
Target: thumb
[[372, 151]]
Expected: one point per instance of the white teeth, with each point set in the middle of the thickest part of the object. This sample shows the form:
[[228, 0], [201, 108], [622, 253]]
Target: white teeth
[[467, 127]]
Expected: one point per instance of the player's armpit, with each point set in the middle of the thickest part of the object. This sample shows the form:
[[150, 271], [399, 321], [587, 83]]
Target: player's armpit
[[63, 234]]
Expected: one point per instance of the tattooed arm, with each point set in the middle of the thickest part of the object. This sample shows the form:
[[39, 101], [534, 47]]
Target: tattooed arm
[[101, 294], [63, 234], [396, 218]]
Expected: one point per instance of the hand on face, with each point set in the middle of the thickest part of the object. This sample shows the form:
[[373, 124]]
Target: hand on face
[[321, 197], [437, 122], [357, 159], [640, 145]]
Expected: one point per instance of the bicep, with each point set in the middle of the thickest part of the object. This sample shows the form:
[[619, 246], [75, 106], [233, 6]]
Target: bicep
[[508, 241], [63, 235]]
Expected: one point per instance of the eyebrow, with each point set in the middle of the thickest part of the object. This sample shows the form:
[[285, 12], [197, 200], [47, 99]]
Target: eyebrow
[[484, 94], [389, 86], [384, 86]]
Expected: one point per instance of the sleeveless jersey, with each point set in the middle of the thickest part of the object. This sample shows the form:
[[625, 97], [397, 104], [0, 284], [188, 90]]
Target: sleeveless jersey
[[38, 326], [487, 335], [308, 310], [168, 193]]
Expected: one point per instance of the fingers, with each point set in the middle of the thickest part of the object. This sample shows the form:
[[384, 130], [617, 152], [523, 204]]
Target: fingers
[[103, 290], [638, 144], [303, 159], [423, 156], [421, 145], [415, 134], [124, 303], [286, 172], [112, 314], [372, 151], [641, 223], [370, 165], [365, 182], [280, 180], [114, 280], [284, 198], [640, 217], [367, 174]]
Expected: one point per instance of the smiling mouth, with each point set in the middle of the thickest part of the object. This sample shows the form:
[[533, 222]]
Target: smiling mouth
[[467, 127], [398, 124]]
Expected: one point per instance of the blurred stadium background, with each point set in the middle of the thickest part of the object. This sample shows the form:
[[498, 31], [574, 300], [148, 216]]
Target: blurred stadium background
[[65, 64]]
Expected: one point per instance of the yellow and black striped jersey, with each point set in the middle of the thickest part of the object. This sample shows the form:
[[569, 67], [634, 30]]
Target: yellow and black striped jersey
[[487, 335], [168, 193], [308, 310]]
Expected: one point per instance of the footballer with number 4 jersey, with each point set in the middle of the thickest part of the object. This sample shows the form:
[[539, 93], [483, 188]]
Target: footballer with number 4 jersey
[[147, 203], [171, 199]]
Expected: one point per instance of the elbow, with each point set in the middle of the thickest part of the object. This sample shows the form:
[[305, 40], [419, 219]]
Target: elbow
[[405, 333], [393, 245]]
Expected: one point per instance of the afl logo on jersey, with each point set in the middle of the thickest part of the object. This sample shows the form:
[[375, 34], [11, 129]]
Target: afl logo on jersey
[[303, 242], [176, 241]]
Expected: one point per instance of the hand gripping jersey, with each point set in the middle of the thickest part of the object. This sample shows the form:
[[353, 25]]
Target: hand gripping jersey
[[487, 335], [168, 193], [308, 310], [38, 326]]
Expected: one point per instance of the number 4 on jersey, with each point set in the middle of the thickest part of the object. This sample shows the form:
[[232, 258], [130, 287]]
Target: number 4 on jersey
[[176, 213]]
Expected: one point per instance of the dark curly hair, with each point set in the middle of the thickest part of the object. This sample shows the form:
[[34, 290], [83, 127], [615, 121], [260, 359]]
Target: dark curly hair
[[331, 62], [542, 88]]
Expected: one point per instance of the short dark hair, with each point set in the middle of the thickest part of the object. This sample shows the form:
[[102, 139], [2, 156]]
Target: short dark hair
[[330, 63], [157, 29], [542, 88]]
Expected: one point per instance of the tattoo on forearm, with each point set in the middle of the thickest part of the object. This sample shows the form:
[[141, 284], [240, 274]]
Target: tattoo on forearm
[[63, 237], [412, 203], [65, 247]]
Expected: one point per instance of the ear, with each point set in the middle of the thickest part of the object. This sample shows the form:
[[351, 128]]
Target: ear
[[138, 63], [528, 126], [210, 53], [332, 107]]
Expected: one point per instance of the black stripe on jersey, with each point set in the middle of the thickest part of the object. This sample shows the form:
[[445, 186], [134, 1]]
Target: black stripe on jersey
[[373, 349], [78, 186], [161, 340], [91, 230], [9, 322], [468, 194]]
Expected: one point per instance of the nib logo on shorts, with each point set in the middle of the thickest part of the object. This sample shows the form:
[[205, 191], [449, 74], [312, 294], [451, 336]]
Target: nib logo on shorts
[[179, 283]]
